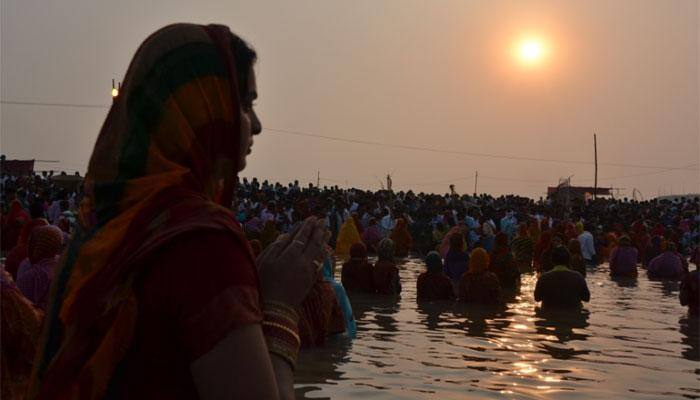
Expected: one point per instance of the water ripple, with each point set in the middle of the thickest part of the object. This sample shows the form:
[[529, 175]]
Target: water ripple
[[633, 340]]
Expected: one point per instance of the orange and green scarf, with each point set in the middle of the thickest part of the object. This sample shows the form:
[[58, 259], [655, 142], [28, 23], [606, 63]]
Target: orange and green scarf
[[164, 164]]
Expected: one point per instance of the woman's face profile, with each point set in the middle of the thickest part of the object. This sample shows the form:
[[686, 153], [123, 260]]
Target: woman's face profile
[[250, 124]]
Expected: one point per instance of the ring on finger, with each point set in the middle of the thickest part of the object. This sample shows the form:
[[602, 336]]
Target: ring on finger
[[299, 242]]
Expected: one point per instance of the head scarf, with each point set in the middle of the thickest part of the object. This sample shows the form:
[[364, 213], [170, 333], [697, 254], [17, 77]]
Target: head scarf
[[457, 242], [544, 243], [358, 252], [433, 262], [16, 214], [164, 164], [347, 236], [479, 260], [45, 242], [19, 252], [401, 228], [625, 241]]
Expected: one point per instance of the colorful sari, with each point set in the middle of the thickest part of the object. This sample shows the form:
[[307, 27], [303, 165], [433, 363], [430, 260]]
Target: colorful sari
[[164, 165], [403, 241], [34, 280], [17, 217], [347, 237], [320, 315], [542, 246], [20, 329], [502, 262], [19, 252], [523, 248]]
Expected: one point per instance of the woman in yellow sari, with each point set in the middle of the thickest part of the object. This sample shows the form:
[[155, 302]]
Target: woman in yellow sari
[[347, 236]]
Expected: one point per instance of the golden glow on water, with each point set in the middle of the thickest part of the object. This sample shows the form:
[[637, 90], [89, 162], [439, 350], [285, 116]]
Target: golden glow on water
[[445, 350]]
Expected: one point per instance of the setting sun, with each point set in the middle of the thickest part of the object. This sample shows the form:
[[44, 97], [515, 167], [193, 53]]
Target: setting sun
[[531, 51]]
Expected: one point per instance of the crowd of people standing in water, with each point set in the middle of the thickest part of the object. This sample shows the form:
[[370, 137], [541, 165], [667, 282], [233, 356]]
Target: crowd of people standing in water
[[474, 248], [164, 275]]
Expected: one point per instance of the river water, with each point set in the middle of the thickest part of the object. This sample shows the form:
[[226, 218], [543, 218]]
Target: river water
[[632, 341]]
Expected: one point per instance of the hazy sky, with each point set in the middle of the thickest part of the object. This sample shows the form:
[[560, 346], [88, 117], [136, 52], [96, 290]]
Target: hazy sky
[[431, 74]]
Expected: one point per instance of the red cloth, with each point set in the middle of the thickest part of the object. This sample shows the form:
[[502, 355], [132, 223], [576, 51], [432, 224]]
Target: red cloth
[[17, 217], [198, 288], [19, 332], [403, 241], [19, 252], [320, 315], [542, 246]]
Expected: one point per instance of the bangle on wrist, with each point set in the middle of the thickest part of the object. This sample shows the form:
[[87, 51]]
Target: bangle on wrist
[[280, 328]]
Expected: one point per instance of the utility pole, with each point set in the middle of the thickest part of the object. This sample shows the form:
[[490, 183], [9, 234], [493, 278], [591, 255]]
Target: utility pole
[[476, 180], [595, 155], [318, 179]]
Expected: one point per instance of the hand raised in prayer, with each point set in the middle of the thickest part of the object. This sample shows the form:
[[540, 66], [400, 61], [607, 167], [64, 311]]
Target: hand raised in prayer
[[288, 267]]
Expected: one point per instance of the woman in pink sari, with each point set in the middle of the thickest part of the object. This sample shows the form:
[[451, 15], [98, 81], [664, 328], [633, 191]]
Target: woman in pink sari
[[36, 272]]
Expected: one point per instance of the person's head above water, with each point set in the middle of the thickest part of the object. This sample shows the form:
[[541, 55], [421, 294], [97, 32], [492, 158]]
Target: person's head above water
[[358, 252], [386, 250], [457, 242], [625, 241], [479, 260], [433, 262], [560, 256]]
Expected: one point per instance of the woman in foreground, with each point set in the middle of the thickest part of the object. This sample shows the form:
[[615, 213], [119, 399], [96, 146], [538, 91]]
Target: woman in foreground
[[159, 295]]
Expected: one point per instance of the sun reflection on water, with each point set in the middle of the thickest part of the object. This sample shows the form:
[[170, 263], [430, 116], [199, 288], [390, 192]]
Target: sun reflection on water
[[408, 349]]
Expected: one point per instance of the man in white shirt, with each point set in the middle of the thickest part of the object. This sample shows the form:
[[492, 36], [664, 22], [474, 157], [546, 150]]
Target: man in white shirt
[[386, 225], [587, 246], [268, 214]]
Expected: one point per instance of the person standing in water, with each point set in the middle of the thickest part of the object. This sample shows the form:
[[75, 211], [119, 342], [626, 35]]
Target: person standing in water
[[478, 284], [561, 287], [433, 284], [385, 273]]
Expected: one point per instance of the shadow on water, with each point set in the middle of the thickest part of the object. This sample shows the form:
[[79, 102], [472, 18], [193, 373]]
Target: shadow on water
[[385, 309], [510, 294], [429, 312], [479, 320], [625, 281], [321, 365], [669, 287], [375, 311], [561, 323], [690, 331], [638, 342]]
